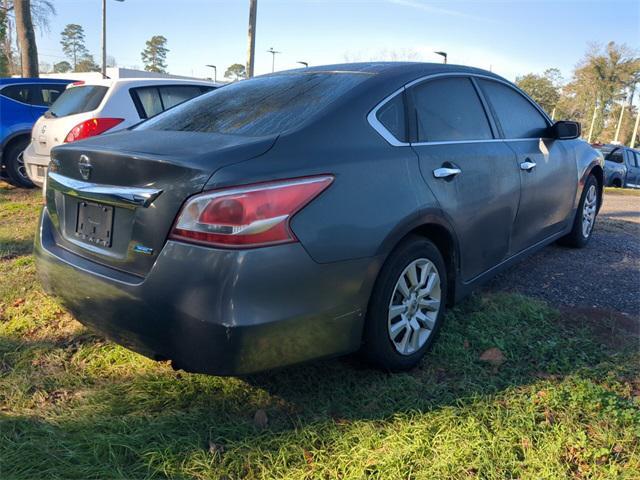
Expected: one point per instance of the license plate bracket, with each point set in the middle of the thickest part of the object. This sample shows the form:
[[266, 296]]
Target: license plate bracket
[[95, 223]]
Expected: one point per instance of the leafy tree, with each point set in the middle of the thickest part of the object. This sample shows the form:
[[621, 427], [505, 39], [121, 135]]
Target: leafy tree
[[62, 67], [604, 78], [87, 64], [236, 71], [154, 56], [544, 89], [72, 41]]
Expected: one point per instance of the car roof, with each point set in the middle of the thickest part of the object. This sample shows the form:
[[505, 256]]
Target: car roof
[[108, 82], [408, 69], [10, 81]]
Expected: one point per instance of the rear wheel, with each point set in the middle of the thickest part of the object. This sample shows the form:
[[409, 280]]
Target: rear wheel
[[14, 163], [406, 306], [585, 216]]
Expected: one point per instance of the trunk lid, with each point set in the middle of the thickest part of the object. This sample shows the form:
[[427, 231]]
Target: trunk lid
[[129, 186], [49, 132]]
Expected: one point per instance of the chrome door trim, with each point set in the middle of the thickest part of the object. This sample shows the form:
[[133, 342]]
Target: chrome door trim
[[126, 197], [372, 118], [388, 136]]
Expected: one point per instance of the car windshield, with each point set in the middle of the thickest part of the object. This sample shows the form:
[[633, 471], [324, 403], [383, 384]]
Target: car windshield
[[260, 106], [79, 99], [612, 153]]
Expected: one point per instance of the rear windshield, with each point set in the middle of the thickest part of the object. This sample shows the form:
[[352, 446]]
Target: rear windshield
[[77, 100], [260, 106]]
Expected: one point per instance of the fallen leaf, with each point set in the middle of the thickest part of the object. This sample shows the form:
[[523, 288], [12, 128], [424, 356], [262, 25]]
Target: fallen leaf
[[493, 356], [18, 302], [260, 419], [526, 444], [308, 457]]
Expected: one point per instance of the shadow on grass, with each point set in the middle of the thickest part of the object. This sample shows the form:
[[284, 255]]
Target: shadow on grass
[[106, 411], [12, 248]]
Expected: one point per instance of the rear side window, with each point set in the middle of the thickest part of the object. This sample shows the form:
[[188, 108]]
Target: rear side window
[[261, 106], [449, 109], [19, 93], [632, 158], [517, 115], [637, 154], [150, 101], [392, 116], [173, 95], [80, 99]]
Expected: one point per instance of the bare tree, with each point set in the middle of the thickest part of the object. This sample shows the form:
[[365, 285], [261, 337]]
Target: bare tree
[[26, 38]]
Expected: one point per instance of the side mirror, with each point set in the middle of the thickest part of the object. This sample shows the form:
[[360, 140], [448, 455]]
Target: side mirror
[[565, 130]]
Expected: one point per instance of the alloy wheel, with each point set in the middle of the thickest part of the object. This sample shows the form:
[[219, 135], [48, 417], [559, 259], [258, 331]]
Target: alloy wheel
[[589, 211], [414, 306], [22, 169]]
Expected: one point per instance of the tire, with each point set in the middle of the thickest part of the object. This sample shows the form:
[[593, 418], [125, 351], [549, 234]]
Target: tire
[[588, 206], [411, 318], [14, 164]]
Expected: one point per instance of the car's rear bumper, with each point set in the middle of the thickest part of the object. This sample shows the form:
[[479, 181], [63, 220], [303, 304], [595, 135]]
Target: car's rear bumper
[[216, 311], [36, 165]]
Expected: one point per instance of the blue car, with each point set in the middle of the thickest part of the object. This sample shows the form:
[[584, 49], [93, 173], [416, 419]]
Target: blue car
[[22, 102]]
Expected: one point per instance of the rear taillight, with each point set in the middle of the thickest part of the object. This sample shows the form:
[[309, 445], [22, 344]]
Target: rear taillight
[[248, 216], [91, 128]]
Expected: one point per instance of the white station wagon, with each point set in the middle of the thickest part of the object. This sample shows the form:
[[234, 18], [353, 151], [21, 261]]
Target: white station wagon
[[86, 109]]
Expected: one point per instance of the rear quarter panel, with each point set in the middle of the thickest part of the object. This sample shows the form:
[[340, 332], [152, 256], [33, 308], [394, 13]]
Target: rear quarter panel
[[377, 187]]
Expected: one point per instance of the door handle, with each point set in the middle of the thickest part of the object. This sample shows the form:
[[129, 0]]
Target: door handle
[[527, 165], [446, 172]]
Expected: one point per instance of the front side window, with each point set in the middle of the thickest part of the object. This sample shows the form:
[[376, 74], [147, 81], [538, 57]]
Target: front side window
[[517, 116], [392, 116], [19, 93], [631, 159], [637, 154], [261, 106], [79, 99], [449, 109]]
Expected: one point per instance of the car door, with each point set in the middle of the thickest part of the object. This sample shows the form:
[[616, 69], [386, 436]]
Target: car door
[[548, 169], [633, 169], [474, 176]]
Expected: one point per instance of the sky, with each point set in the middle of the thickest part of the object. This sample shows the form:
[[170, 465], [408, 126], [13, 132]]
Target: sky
[[510, 38]]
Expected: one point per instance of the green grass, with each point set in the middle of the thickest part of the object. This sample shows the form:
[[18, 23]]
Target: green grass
[[623, 191], [565, 404]]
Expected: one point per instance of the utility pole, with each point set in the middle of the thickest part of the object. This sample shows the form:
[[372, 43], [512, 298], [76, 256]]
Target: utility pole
[[273, 58], [619, 123], [635, 130], [253, 8], [104, 37]]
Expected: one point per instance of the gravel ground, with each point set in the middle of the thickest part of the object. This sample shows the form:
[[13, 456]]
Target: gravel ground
[[605, 275]]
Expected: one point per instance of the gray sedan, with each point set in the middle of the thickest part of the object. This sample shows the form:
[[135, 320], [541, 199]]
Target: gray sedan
[[310, 213]]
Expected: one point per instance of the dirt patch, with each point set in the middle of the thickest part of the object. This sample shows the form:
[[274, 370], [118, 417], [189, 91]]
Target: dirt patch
[[614, 329]]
